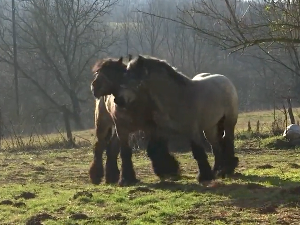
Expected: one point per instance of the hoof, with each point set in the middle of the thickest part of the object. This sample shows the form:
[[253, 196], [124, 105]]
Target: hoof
[[175, 177], [205, 177], [162, 180], [95, 180], [128, 182], [171, 176], [96, 173], [167, 170], [112, 180], [228, 169], [220, 173], [232, 165], [112, 177], [216, 172]]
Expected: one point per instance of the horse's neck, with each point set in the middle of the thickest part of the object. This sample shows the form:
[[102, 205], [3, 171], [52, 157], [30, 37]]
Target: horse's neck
[[170, 98]]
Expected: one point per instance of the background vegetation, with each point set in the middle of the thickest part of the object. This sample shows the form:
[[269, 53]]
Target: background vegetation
[[47, 48], [57, 42]]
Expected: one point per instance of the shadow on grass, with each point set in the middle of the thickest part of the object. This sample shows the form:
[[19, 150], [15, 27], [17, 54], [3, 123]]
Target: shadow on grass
[[249, 195], [273, 180]]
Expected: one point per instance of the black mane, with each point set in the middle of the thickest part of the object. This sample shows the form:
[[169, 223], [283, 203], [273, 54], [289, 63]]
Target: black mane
[[172, 72]]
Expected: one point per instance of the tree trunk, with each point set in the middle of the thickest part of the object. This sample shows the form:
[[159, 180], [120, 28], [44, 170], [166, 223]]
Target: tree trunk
[[76, 111], [290, 111], [66, 117]]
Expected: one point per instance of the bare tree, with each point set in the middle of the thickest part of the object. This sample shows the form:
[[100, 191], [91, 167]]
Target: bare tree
[[148, 29], [57, 39]]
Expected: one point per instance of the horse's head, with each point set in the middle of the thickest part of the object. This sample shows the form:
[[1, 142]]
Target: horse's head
[[145, 80], [142, 75], [108, 76], [131, 89]]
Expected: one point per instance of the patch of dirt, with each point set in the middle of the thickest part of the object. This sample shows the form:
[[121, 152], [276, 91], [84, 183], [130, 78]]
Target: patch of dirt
[[268, 209], [282, 222], [218, 217], [40, 168], [19, 204], [37, 219], [117, 216], [141, 189], [4, 165], [6, 202], [215, 184], [254, 186], [62, 158], [294, 165], [78, 216], [266, 166], [83, 194], [61, 209], [26, 195]]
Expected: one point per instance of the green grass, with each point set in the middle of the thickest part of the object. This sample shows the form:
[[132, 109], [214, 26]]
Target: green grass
[[265, 190]]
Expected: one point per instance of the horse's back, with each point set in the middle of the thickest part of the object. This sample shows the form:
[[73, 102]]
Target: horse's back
[[218, 81], [201, 76], [219, 88]]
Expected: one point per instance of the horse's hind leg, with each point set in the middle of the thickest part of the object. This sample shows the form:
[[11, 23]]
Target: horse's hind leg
[[198, 149], [214, 136], [230, 160], [112, 172], [164, 164]]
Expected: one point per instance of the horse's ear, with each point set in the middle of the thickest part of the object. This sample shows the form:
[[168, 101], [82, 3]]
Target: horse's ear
[[120, 60]]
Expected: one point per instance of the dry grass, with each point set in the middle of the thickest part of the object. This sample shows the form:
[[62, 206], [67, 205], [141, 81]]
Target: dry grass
[[265, 117]]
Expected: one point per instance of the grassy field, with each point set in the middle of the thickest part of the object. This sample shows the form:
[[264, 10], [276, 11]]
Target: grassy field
[[52, 187], [45, 183], [265, 117]]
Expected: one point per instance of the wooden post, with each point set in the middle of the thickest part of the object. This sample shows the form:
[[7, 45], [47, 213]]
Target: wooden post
[[257, 126], [249, 126]]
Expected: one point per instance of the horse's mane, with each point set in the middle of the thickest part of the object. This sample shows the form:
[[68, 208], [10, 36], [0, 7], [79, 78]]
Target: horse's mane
[[172, 72], [104, 62]]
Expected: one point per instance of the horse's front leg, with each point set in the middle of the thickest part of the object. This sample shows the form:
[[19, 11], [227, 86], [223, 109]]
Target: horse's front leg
[[128, 176], [164, 164], [112, 172], [96, 168]]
